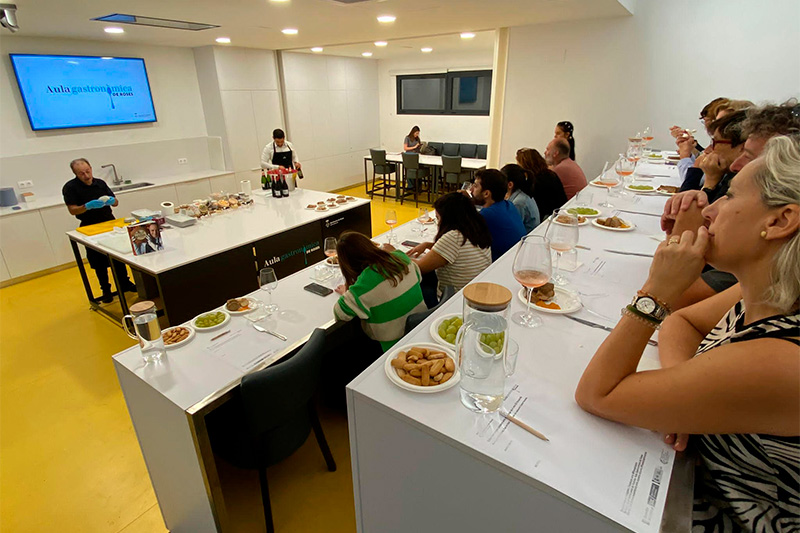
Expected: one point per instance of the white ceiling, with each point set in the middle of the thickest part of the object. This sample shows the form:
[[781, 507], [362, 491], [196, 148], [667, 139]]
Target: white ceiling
[[441, 44], [257, 23]]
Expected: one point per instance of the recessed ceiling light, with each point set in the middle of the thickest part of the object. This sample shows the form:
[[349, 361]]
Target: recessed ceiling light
[[426, 50], [387, 19], [317, 49], [467, 35], [278, 1], [381, 43], [107, 57], [224, 40], [113, 29], [289, 31], [366, 54]]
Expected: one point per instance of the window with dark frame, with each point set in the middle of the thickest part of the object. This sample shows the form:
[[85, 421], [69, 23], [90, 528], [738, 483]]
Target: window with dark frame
[[450, 93]]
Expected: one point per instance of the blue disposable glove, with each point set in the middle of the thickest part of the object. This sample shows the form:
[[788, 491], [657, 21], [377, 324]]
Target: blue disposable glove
[[94, 204], [111, 200]]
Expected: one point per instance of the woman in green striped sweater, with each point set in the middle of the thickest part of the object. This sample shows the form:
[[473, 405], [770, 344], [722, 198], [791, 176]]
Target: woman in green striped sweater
[[381, 288]]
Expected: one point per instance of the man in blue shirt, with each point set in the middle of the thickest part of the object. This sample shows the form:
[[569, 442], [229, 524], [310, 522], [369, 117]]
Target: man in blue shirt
[[489, 191]]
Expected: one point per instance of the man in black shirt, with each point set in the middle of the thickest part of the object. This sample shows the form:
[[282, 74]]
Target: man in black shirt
[[90, 199]]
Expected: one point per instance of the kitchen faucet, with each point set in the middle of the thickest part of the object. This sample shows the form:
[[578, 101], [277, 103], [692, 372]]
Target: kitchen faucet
[[117, 179]]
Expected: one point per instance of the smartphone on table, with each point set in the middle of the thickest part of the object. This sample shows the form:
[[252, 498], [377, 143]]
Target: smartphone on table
[[316, 288]]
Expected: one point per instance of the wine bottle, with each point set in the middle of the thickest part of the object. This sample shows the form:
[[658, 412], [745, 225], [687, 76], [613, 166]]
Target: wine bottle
[[264, 182], [276, 188], [284, 187]]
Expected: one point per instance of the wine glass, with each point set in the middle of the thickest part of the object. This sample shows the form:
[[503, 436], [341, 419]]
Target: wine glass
[[391, 221], [562, 232], [647, 136], [423, 217], [532, 268], [609, 180], [329, 247], [269, 282]]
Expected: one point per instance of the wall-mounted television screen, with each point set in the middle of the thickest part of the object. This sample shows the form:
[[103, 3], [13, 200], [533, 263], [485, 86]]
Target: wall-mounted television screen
[[79, 91]]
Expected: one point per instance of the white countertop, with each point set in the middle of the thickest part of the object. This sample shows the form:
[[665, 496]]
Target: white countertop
[[227, 230], [43, 201]]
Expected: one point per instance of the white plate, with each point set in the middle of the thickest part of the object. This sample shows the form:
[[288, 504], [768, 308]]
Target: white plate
[[394, 378], [595, 184], [311, 208], [352, 199], [631, 225], [333, 206], [585, 221], [434, 330], [597, 214], [329, 261], [665, 193], [320, 210], [254, 304], [640, 191], [568, 302], [181, 343], [212, 328]]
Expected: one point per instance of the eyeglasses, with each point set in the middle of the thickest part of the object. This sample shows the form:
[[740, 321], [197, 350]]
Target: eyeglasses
[[715, 142]]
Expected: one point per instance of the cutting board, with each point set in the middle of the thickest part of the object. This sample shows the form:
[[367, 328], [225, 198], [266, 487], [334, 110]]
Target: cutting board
[[102, 227]]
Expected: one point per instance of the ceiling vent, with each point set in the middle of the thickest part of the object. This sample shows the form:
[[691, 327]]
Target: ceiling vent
[[138, 20]]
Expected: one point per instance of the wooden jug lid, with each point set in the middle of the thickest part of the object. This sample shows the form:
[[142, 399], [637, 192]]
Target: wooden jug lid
[[488, 296], [142, 307]]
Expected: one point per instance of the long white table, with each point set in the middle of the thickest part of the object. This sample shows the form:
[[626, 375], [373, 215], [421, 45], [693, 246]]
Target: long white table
[[218, 258], [423, 461]]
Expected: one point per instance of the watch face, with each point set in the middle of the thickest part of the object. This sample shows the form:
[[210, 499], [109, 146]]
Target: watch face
[[646, 305]]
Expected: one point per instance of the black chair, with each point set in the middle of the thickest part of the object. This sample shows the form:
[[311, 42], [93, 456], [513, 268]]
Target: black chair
[[437, 147], [383, 168], [275, 416], [450, 149], [416, 319], [452, 174], [468, 150], [415, 178], [480, 153]]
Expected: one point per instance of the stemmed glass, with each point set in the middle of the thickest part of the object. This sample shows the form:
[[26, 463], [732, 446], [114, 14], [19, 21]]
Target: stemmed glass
[[391, 221], [532, 268], [329, 247], [609, 180], [424, 217], [562, 232], [647, 136], [269, 282]]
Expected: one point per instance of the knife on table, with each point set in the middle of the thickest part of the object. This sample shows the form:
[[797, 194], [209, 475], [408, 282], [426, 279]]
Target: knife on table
[[265, 330], [620, 252], [591, 324]]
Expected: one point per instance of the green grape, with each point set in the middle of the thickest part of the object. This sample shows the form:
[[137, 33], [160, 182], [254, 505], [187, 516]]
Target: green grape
[[451, 338]]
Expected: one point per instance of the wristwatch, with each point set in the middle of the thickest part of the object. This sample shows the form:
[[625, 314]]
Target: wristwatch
[[648, 306]]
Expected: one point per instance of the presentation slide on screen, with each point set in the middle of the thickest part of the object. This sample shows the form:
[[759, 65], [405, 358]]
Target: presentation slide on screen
[[69, 92]]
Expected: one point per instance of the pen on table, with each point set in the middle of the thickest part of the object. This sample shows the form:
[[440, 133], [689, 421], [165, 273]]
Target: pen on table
[[580, 247], [220, 335], [523, 425]]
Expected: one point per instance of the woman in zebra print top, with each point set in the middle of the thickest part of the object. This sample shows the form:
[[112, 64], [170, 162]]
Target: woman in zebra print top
[[731, 373]]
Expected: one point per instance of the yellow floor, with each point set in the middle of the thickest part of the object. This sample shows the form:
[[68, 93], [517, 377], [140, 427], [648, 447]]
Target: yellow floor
[[69, 459]]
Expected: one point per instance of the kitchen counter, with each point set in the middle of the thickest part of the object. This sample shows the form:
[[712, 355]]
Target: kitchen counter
[[51, 200]]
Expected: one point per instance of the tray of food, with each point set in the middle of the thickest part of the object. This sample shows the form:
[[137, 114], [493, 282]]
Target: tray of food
[[177, 336], [614, 224], [551, 299], [422, 367], [211, 321]]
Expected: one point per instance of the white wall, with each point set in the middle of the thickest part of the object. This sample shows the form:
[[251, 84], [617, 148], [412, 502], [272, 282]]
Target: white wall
[[140, 151], [332, 116], [241, 102], [612, 77], [461, 129], [173, 82]]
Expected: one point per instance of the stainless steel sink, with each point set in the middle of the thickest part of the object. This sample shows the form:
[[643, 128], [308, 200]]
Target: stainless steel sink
[[118, 188]]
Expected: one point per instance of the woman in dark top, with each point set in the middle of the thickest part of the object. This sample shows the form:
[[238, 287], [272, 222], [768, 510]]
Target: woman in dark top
[[564, 130], [548, 192], [412, 142]]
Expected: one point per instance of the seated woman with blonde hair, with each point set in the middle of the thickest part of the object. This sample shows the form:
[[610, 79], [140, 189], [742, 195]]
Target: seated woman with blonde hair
[[731, 375]]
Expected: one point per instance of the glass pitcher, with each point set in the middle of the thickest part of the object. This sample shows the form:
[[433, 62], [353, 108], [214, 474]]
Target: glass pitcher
[[148, 331], [481, 345]]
